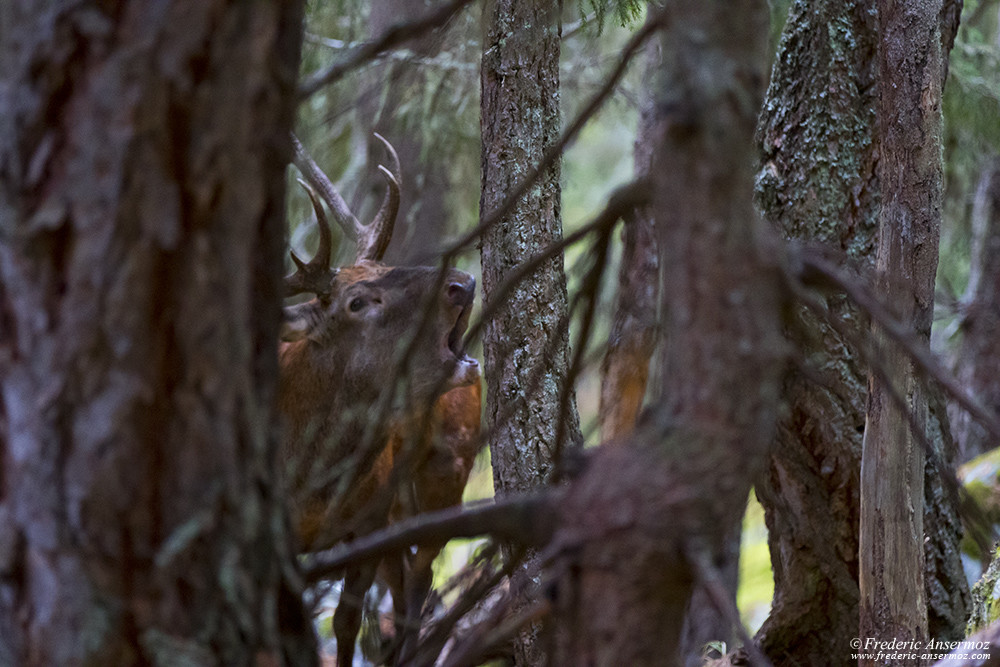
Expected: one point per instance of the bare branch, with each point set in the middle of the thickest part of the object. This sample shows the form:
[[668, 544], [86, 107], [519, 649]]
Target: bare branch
[[395, 35], [524, 519], [711, 579], [817, 271], [972, 515]]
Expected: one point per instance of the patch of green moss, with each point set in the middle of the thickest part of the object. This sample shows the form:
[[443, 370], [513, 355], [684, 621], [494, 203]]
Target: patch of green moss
[[985, 608], [981, 479]]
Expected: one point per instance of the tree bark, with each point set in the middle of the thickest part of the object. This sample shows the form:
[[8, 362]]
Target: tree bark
[[893, 605], [625, 368], [654, 516], [526, 341], [631, 345], [818, 183], [142, 150]]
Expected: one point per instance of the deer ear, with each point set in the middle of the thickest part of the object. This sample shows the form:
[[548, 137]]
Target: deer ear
[[297, 321]]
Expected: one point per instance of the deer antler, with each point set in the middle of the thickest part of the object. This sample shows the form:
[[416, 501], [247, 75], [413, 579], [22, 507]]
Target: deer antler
[[316, 276], [372, 239]]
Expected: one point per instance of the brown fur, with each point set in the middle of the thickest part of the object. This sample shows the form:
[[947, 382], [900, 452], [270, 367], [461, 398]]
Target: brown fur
[[441, 472], [325, 402]]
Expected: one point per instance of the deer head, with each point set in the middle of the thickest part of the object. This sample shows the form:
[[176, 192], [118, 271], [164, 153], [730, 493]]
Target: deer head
[[370, 332], [362, 313]]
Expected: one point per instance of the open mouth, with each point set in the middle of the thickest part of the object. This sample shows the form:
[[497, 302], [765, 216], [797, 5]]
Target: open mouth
[[456, 337]]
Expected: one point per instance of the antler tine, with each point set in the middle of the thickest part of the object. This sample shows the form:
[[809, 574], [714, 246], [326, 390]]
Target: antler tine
[[374, 238], [321, 182], [316, 276]]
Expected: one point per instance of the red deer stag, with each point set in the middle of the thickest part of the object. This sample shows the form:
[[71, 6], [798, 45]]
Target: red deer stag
[[340, 373]]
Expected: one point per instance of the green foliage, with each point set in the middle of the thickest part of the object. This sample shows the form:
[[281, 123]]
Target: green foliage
[[981, 479], [625, 12]]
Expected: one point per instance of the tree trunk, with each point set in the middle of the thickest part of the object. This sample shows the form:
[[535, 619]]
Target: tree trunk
[[893, 605], [141, 161], [656, 514], [526, 341], [625, 368], [818, 183]]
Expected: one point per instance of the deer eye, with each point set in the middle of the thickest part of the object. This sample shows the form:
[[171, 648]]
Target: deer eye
[[356, 304]]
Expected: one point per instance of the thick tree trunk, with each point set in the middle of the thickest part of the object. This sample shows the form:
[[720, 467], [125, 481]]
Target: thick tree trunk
[[526, 341], [656, 515], [141, 161], [893, 605], [625, 368], [818, 183]]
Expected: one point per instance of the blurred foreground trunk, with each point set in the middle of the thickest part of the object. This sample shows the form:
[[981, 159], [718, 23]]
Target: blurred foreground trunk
[[142, 152], [655, 514]]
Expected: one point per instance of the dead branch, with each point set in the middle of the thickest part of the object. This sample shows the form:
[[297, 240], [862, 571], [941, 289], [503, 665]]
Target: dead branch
[[711, 579]]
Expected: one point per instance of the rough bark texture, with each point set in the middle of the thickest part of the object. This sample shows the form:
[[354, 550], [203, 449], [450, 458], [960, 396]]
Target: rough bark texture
[[142, 147], [526, 342], [946, 588], [646, 513], [892, 466], [978, 366], [818, 183]]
